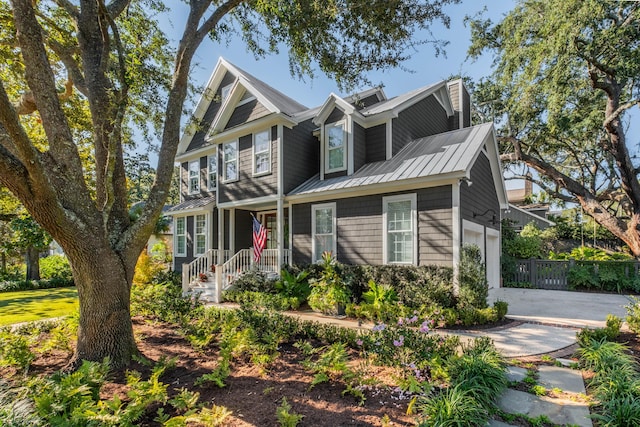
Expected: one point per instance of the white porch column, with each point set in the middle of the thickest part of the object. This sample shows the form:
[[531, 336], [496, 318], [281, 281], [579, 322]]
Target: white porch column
[[220, 236], [457, 234], [280, 231], [232, 231]]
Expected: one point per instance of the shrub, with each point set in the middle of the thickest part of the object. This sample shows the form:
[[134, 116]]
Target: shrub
[[268, 301], [254, 280], [163, 301], [330, 292], [146, 269], [14, 351], [27, 285], [582, 276], [56, 267], [633, 315], [474, 288], [501, 307], [293, 285]]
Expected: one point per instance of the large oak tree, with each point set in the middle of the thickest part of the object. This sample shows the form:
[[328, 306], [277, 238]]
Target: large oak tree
[[118, 63], [567, 73]]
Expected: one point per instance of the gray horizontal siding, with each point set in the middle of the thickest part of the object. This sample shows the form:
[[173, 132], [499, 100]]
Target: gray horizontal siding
[[198, 138], [300, 155], [184, 181], [249, 186], [252, 110], [481, 196], [359, 147], [359, 228], [335, 116], [424, 118], [376, 140]]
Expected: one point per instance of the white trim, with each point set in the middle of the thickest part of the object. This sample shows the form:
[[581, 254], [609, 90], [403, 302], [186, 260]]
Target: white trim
[[232, 230], [192, 211], [176, 235], [220, 235], [215, 156], [334, 101], [205, 232], [350, 148], [279, 157], [456, 232], [246, 203], [198, 172], [494, 236], [389, 140], [412, 197], [227, 89], [250, 127], [345, 145], [253, 153], [314, 208], [225, 179]]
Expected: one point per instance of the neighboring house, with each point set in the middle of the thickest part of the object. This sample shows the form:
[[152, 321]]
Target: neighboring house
[[522, 212], [404, 180]]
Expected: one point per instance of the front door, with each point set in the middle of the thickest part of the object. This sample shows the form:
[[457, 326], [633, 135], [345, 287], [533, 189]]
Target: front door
[[269, 221]]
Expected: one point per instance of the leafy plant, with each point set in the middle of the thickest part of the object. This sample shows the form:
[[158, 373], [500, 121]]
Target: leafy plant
[[452, 407], [285, 417], [474, 288], [294, 285], [15, 351], [633, 315], [329, 294]]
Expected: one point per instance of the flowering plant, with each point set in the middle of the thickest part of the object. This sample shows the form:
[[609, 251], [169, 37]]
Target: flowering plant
[[203, 277]]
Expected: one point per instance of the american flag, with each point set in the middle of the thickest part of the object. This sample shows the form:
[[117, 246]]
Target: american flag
[[259, 239]]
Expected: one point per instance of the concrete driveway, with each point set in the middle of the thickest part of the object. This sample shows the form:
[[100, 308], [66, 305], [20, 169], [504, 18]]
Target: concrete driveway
[[577, 309]]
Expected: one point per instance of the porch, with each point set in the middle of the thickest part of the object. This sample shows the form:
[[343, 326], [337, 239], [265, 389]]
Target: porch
[[216, 270]]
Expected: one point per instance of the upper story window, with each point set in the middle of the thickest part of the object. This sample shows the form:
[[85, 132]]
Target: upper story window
[[194, 176], [230, 153], [335, 147], [212, 171], [261, 153], [224, 92]]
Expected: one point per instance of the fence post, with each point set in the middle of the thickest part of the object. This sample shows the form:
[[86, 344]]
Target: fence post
[[533, 276]]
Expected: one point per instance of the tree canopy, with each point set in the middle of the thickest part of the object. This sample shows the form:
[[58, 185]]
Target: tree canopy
[[566, 74], [78, 76]]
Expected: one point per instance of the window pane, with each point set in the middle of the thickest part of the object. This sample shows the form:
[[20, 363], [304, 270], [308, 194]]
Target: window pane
[[180, 226], [231, 172], [324, 223], [400, 247], [201, 243], [261, 142], [335, 135], [323, 244], [262, 162], [201, 223], [182, 244], [399, 216], [336, 158], [229, 152], [213, 171]]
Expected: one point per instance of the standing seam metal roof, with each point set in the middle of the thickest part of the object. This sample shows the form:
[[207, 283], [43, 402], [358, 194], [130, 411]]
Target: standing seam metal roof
[[444, 153]]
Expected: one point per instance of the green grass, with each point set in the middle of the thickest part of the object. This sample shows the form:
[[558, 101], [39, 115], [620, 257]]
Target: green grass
[[27, 306]]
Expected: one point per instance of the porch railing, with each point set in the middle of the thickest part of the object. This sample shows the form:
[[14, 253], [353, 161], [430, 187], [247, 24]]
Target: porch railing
[[231, 269], [201, 265]]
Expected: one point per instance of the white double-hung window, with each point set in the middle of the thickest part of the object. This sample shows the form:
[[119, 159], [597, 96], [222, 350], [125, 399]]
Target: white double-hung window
[[194, 176], [212, 171], [200, 235], [400, 229], [181, 236], [230, 160], [323, 230], [261, 153], [335, 145]]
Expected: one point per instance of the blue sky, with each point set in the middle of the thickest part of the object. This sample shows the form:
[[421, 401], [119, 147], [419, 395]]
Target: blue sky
[[425, 66]]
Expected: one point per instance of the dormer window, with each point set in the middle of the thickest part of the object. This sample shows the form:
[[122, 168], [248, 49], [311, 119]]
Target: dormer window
[[194, 176], [335, 137], [224, 92]]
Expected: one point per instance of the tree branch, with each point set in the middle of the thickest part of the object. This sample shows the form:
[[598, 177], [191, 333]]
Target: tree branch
[[622, 108], [116, 7]]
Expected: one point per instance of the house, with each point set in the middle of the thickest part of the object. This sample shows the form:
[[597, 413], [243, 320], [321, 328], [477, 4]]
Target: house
[[521, 211], [374, 180]]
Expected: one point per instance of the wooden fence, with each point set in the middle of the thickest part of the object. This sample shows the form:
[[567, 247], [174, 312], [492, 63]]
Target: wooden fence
[[547, 274]]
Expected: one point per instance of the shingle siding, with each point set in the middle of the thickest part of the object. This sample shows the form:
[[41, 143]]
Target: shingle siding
[[376, 140], [301, 233], [300, 155], [247, 112], [481, 196], [359, 228], [249, 186], [435, 226], [425, 118]]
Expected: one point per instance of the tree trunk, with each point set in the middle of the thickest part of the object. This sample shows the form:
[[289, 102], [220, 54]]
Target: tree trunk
[[32, 259], [104, 290]]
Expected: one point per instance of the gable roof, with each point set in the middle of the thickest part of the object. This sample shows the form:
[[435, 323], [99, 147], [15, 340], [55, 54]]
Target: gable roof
[[405, 100], [447, 155], [272, 99]]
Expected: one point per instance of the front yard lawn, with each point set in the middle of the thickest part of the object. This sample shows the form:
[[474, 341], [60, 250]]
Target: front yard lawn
[[27, 306]]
